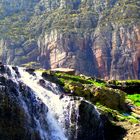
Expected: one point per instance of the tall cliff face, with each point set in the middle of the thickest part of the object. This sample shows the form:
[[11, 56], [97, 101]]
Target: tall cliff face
[[99, 37]]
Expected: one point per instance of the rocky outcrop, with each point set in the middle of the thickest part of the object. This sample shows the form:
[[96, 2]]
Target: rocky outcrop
[[99, 38], [63, 70], [89, 122], [111, 98], [13, 53], [19, 110], [128, 86]]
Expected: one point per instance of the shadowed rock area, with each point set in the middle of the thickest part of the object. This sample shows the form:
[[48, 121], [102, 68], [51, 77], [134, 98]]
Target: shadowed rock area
[[19, 110]]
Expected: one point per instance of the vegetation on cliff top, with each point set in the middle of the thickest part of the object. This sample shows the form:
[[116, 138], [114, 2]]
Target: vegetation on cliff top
[[75, 17]]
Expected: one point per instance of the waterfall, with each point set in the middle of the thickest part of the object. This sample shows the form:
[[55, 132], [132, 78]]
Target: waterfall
[[55, 118], [60, 110]]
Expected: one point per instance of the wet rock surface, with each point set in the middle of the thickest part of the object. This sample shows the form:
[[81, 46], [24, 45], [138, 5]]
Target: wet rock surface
[[90, 124], [30, 71], [19, 110]]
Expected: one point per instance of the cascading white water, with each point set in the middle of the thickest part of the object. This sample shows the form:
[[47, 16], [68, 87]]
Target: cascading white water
[[14, 77], [63, 113], [59, 109]]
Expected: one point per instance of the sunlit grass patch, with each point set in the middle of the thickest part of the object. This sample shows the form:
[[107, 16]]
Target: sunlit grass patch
[[135, 98]]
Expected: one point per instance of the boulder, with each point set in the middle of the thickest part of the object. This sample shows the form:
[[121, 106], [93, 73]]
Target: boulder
[[30, 71], [2, 68], [42, 82], [90, 123], [16, 70], [112, 98], [50, 77], [75, 88], [64, 70], [2, 80]]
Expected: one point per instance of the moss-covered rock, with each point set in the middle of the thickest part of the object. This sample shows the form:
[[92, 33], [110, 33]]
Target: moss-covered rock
[[63, 70], [50, 77], [128, 86], [111, 98], [92, 89]]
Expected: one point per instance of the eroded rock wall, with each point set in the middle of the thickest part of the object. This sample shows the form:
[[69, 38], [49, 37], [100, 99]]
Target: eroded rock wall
[[98, 38]]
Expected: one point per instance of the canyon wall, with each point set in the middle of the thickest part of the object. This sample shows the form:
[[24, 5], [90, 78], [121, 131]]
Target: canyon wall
[[99, 38]]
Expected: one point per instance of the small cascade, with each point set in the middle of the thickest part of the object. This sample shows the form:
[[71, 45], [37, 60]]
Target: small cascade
[[13, 74], [52, 117]]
